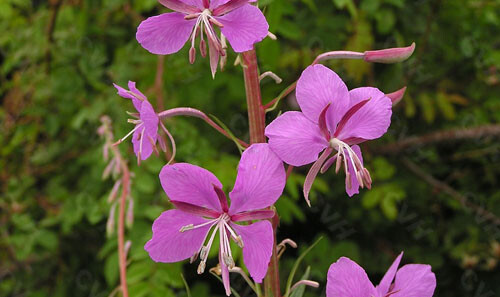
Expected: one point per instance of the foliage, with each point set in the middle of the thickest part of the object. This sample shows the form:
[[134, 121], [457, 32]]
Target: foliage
[[55, 83]]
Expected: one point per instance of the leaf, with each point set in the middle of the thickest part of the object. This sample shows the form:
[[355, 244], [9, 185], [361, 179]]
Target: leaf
[[296, 266], [299, 291], [447, 109]]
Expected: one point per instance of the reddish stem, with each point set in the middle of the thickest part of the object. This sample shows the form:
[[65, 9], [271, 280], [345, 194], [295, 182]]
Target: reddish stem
[[257, 125], [256, 113], [122, 257]]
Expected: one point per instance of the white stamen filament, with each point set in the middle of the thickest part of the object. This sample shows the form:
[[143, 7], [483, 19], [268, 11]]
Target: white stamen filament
[[344, 150], [139, 125], [222, 226]]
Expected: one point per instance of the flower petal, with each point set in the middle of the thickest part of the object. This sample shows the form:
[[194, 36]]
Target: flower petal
[[354, 181], [414, 280], [385, 283], [142, 144], [126, 94], [260, 181], [184, 6], [150, 119], [316, 88], [244, 27], [373, 119], [347, 279], [295, 139], [216, 3], [191, 184], [258, 240], [168, 244], [165, 33]]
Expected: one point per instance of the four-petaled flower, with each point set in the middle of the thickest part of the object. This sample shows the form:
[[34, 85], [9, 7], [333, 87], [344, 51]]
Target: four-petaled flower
[[347, 279], [145, 133], [332, 119], [201, 207], [240, 22]]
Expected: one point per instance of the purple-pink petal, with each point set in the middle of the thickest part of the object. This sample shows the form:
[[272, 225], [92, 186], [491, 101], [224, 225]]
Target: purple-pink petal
[[168, 244], [316, 88], [295, 139], [347, 279], [150, 119], [225, 275], [243, 27], [414, 280], [184, 6], [165, 33], [260, 181], [258, 240], [142, 143], [216, 3], [126, 94], [191, 184], [385, 283], [373, 119], [354, 189]]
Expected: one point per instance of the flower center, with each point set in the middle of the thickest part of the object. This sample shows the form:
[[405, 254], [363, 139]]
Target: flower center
[[222, 225], [346, 154], [203, 26]]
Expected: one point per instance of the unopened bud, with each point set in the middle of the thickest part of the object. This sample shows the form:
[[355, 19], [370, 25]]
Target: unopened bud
[[130, 213], [390, 55], [114, 191], [110, 224], [128, 245], [396, 96], [192, 55]]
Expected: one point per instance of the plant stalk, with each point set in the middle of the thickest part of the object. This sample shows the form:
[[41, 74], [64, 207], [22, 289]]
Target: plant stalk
[[257, 125]]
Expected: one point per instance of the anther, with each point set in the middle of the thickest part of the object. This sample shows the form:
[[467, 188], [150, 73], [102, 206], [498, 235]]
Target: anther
[[201, 267]]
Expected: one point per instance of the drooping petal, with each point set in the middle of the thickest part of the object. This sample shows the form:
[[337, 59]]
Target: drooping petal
[[143, 147], [165, 33], [191, 184], [168, 244], [295, 139], [354, 189], [316, 88], [258, 242], [385, 283], [347, 279], [313, 172], [244, 27], [126, 94], [150, 119], [373, 119], [414, 280], [260, 181]]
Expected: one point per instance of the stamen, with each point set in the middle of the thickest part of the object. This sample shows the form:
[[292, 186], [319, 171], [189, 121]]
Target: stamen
[[133, 121], [201, 267], [339, 162], [127, 136]]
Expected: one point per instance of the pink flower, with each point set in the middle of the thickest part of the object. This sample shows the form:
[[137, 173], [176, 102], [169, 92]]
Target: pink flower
[[240, 22], [333, 119], [145, 133], [348, 279], [202, 207]]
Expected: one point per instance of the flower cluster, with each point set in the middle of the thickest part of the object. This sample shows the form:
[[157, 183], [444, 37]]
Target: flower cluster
[[331, 124]]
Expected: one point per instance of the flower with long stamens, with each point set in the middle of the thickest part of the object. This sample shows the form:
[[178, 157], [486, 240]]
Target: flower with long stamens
[[240, 22], [202, 211], [333, 120], [145, 133], [347, 279]]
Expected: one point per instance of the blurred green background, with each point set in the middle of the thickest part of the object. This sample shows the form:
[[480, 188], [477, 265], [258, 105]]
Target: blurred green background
[[435, 193]]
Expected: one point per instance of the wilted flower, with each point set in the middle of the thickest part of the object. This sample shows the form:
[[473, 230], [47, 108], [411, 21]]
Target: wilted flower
[[333, 119], [201, 207], [240, 22], [347, 279]]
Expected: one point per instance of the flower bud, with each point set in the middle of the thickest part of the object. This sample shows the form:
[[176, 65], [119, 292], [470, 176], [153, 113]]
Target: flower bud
[[390, 55]]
